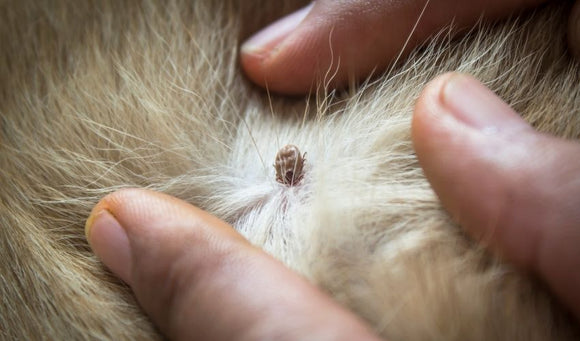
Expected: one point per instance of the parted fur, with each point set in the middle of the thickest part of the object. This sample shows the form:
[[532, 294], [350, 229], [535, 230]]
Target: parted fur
[[101, 95]]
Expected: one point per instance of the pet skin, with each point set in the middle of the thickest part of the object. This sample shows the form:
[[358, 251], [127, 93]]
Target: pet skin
[[101, 95]]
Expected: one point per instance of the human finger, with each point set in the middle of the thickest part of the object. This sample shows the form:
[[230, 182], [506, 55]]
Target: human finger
[[197, 278], [346, 40], [509, 186]]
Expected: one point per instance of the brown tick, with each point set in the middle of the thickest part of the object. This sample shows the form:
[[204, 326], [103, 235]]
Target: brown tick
[[289, 165]]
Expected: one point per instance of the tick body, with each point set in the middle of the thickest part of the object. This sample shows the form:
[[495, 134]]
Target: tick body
[[289, 165]]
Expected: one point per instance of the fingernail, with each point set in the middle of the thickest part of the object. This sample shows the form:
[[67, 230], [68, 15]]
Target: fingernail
[[269, 38], [110, 243], [471, 103]]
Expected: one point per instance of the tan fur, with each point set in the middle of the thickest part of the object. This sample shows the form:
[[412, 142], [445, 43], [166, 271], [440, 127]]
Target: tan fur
[[101, 95]]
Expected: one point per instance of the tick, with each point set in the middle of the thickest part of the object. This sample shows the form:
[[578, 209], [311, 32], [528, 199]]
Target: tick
[[289, 165]]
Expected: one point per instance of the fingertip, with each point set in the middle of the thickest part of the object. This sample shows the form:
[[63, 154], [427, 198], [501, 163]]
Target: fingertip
[[289, 70], [148, 216], [470, 145], [110, 226], [433, 130], [134, 222], [274, 58], [427, 111], [253, 68], [264, 42], [110, 243]]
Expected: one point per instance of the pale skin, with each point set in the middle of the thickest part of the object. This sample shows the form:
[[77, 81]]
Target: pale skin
[[208, 282]]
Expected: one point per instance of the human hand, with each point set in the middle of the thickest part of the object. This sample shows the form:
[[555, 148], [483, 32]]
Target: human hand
[[197, 278], [360, 36], [511, 187]]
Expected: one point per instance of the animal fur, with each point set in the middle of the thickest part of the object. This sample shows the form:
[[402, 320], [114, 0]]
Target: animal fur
[[101, 95]]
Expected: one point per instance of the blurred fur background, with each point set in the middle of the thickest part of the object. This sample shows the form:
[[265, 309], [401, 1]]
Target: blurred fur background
[[101, 95]]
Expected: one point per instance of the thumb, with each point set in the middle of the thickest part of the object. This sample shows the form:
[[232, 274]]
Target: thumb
[[197, 278], [350, 39], [511, 187]]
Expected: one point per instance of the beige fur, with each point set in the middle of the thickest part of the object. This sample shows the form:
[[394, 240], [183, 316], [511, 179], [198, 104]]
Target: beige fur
[[101, 95]]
